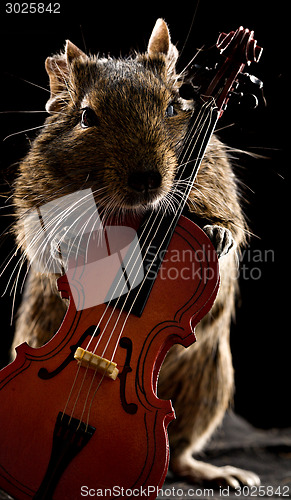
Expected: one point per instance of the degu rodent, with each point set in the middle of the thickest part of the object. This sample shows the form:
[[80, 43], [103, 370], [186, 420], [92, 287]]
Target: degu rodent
[[115, 126]]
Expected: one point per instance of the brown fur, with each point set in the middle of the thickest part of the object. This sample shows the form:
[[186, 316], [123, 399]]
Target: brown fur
[[130, 98]]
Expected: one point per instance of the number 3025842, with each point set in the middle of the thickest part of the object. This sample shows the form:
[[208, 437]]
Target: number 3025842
[[32, 8]]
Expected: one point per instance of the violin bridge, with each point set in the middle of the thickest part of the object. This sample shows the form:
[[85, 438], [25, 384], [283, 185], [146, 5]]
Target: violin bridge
[[101, 365]]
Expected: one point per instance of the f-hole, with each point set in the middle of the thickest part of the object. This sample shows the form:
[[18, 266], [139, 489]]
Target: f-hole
[[130, 408], [44, 374]]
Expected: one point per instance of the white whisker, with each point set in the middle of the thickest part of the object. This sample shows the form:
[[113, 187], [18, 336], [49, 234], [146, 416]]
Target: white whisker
[[20, 111], [23, 131]]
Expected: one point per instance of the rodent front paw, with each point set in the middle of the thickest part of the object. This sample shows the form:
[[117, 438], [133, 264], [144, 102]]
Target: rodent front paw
[[220, 237]]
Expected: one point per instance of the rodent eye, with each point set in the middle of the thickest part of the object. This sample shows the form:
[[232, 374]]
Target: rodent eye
[[89, 118], [170, 111]]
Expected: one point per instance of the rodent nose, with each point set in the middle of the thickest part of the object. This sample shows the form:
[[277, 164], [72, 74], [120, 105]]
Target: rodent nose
[[144, 181]]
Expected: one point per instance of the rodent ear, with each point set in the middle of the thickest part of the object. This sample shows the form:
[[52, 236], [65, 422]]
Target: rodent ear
[[160, 43], [73, 52], [58, 68]]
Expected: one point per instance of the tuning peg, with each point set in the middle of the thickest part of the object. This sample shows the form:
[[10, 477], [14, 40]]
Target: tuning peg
[[245, 89], [252, 89], [247, 79]]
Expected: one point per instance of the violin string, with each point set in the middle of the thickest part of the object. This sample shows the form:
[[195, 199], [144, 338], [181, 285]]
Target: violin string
[[153, 236], [106, 309], [203, 120], [94, 394], [150, 266], [70, 393], [131, 271], [79, 392], [89, 390], [153, 214], [103, 332], [132, 305], [129, 312]]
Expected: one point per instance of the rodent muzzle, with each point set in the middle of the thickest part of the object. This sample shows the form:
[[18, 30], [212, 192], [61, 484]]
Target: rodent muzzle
[[144, 182]]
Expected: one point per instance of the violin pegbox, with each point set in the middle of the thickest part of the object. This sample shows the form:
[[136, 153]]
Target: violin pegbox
[[240, 44], [220, 76]]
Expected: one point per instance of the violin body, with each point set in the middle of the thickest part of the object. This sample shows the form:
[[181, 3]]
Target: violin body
[[97, 433]]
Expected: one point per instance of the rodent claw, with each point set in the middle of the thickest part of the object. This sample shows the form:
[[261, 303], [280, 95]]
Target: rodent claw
[[221, 238]]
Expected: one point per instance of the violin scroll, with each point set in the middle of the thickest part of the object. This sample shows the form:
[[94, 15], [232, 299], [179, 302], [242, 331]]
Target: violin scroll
[[240, 43], [220, 76]]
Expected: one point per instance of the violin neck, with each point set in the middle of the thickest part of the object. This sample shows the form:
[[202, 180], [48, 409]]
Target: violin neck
[[154, 242], [200, 130]]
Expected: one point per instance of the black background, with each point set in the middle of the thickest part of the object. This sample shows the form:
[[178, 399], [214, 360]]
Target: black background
[[261, 335]]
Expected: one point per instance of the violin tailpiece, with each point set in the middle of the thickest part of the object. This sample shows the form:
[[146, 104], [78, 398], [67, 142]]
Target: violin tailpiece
[[101, 365]]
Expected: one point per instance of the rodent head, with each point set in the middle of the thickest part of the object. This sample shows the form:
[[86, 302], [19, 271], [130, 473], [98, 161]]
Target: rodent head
[[116, 126]]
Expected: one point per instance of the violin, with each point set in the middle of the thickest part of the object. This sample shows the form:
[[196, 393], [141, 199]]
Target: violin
[[80, 416]]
